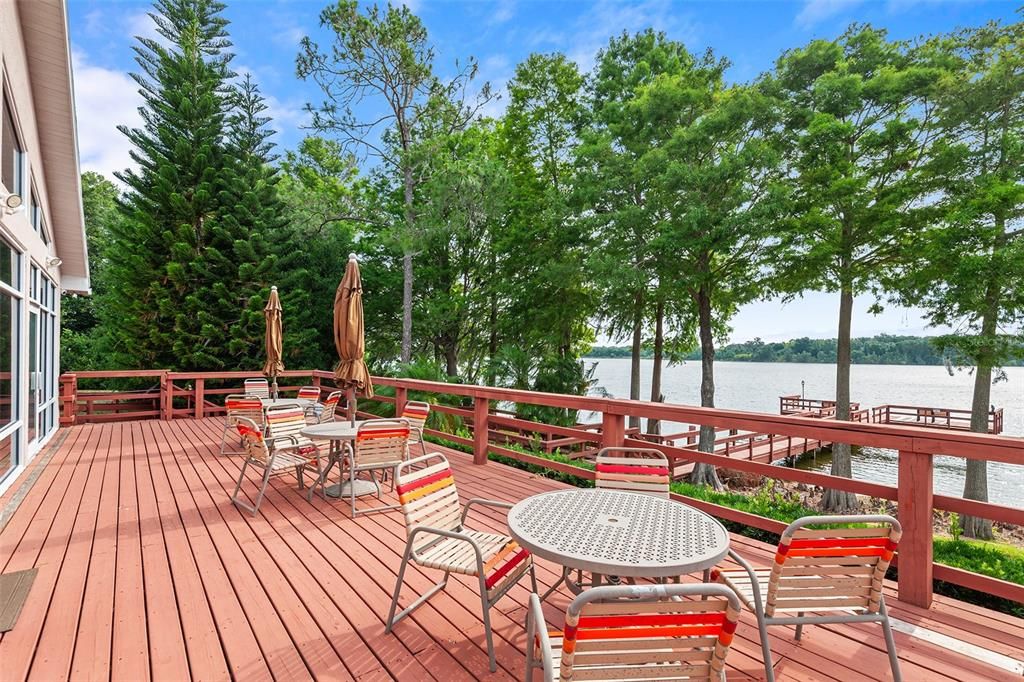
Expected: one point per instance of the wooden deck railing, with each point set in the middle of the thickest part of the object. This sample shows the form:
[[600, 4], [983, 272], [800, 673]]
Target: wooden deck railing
[[196, 394]]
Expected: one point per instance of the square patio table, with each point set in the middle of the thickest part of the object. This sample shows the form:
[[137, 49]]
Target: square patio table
[[608, 532]]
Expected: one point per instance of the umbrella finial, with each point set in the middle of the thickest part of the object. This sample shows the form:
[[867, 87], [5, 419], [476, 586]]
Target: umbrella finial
[[352, 256], [273, 288]]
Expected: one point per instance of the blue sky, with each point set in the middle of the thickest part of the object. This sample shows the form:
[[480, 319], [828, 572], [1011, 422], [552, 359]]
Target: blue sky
[[500, 34]]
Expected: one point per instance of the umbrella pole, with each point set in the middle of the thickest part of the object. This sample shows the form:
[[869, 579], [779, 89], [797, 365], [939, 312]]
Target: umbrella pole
[[352, 405], [276, 395]]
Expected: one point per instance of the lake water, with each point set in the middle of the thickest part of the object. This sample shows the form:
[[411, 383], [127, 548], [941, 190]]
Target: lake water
[[756, 387]]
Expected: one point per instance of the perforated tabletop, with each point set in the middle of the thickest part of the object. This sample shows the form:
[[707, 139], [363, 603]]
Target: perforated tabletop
[[618, 533]]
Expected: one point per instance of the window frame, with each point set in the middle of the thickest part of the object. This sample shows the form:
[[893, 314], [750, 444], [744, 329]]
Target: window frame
[[7, 108]]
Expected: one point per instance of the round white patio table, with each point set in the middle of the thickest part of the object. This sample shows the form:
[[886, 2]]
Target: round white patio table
[[616, 533], [337, 433], [276, 402]]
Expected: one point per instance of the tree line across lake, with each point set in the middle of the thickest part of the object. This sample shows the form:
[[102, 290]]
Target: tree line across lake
[[648, 197], [884, 349]]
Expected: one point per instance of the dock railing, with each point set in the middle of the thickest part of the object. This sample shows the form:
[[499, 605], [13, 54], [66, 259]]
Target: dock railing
[[934, 417], [197, 394]]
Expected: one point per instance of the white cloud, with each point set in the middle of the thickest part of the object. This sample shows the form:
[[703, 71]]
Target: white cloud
[[141, 25], [503, 11], [104, 98], [608, 18], [816, 11]]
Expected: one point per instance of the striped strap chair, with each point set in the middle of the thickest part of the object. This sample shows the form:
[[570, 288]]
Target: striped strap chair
[[240, 406], [379, 445], [330, 405], [647, 632], [272, 456], [438, 538], [834, 574], [633, 470], [416, 413], [257, 387], [309, 393], [285, 423]]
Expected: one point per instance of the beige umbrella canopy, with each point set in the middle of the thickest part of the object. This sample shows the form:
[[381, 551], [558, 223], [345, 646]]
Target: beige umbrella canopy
[[351, 372], [274, 339]]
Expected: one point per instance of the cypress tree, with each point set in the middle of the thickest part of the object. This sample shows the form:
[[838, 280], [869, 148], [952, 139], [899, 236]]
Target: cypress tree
[[189, 262]]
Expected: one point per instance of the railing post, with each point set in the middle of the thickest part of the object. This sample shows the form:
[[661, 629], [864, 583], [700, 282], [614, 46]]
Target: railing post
[[481, 409], [200, 398], [613, 430], [914, 504], [68, 398], [166, 399], [401, 398]]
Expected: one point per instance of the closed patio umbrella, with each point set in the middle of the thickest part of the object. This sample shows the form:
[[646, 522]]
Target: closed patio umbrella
[[274, 340], [351, 373]]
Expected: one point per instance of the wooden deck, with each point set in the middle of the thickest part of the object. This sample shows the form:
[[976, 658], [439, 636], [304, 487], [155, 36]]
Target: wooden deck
[[146, 571]]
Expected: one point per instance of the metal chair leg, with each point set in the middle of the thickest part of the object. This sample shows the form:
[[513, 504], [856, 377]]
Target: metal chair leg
[[890, 643], [393, 619], [799, 626], [238, 485], [766, 651], [486, 605]]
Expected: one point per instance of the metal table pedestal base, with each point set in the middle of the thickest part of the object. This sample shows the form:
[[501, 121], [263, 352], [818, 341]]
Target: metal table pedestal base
[[342, 489]]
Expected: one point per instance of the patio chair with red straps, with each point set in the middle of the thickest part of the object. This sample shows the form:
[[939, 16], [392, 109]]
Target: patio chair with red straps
[[287, 422], [273, 457], [379, 445], [257, 387], [633, 470], [438, 538], [330, 406], [416, 413], [644, 632], [239, 406], [828, 575]]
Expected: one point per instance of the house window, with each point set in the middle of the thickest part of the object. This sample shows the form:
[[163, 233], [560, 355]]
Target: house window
[[36, 215], [12, 153]]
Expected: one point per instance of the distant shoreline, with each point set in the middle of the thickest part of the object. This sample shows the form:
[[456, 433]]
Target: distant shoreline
[[875, 350]]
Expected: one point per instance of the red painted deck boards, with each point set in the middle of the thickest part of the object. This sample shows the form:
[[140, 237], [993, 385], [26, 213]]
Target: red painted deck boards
[[147, 571]]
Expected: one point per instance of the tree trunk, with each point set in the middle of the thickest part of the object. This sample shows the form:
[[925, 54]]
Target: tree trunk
[[976, 481], [634, 369], [407, 269], [838, 501], [654, 425], [451, 360], [703, 473]]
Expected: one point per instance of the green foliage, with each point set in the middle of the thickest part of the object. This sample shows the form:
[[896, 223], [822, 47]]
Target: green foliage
[[186, 268]]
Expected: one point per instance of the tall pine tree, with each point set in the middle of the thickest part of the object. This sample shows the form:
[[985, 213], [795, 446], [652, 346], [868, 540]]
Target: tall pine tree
[[189, 264]]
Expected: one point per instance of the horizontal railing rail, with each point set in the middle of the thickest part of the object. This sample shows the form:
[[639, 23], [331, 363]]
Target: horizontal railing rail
[[186, 394], [934, 417]]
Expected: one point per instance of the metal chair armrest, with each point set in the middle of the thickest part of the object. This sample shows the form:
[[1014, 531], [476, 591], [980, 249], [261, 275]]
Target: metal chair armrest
[[417, 530], [537, 634], [755, 585], [486, 503], [288, 442]]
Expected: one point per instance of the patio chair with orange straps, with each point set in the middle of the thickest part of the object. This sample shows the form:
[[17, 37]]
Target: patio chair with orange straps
[[834, 574], [330, 406], [379, 445], [644, 632], [287, 422], [272, 456], [257, 387], [312, 394], [416, 413], [239, 406], [633, 470], [438, 538]]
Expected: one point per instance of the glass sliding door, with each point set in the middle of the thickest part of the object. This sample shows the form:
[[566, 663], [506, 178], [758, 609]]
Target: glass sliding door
[[10, 340], [42, 367]]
